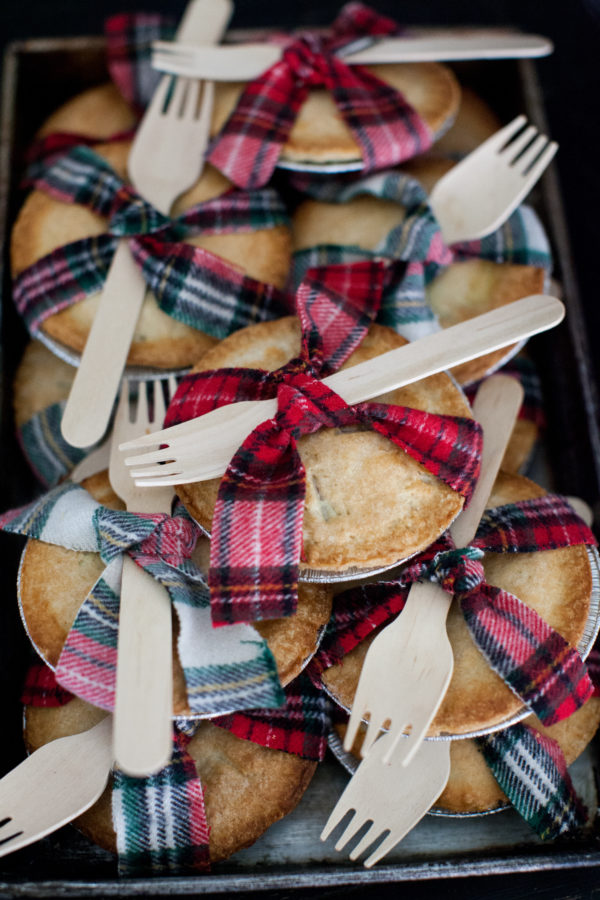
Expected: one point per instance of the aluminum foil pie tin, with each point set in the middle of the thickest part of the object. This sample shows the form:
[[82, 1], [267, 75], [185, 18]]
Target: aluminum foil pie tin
[[585, 645]]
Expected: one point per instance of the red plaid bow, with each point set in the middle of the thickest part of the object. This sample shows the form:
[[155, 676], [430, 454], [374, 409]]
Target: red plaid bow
[[42, 689], [149, 538], [532, 658], [257, 523], [387, 129]]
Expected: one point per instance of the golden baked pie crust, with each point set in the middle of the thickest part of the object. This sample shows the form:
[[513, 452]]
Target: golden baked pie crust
[[246, 787], [368, 503], [556, 583], [55, 581]]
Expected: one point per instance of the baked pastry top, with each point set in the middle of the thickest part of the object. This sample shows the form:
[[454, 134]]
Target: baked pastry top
[[557, 584], [368, 503], [55, 581], [45, 223]]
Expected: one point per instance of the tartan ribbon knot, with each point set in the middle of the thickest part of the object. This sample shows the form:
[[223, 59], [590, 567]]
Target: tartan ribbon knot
[[221, 671], [306, 59], [530, 656], [386, 127], [458, 571], [257, 522], [305, 404], [132, 216], [167, 538], [190, 283]]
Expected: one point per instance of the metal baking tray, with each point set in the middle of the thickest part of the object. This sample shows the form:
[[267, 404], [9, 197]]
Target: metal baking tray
[[37, 76]]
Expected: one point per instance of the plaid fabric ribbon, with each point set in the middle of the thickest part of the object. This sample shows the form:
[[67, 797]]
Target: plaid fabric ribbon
[[300, 726], [593, 665], [531, 770], [46, 451], [533, 659], [191, 284], [129, 38], [257, 523], [418, 244], [42, 689], [160, 820], [224, 670], [386, 127]]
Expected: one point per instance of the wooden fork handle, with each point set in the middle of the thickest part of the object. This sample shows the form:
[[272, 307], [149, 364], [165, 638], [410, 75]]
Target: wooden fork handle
[[249, 61], [450, 347], [496, 408], [58, 782], [96, 383], [144, 694]]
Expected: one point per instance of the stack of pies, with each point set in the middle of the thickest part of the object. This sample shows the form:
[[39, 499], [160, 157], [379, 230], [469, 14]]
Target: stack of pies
[[560, 585], [472, 788], [369, 506], [463, 290]]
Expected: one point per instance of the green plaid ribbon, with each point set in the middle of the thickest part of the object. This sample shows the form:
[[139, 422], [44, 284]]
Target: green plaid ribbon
[[417, 245], [191, 284], [46, 451], [531, 770], [225, 669], [160, 821]]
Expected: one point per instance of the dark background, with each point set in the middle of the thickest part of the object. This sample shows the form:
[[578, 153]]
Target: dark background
[[571, 85]]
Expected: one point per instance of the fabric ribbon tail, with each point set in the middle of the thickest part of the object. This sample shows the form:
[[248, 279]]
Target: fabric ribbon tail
[[87, 665], [41, 688], [301, 725], [129, 37], [193, 285], [248, 153], [386, 127], [254, 560], [404, 305], [225, 668], [355, 614], [46, 451], [532, 658], [160, 821], [532, 771]]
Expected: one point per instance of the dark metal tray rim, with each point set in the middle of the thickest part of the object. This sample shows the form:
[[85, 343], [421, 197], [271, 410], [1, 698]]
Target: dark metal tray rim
[[325, 876]]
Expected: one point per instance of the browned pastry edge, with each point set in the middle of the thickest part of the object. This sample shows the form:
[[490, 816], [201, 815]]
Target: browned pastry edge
[[246, 787]]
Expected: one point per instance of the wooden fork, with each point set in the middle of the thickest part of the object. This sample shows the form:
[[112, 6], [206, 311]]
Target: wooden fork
[[392, 798], [144, 692], [53, 786], [166, 158], [408, 666], [248, 61], [202, 448], [481, 191]]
